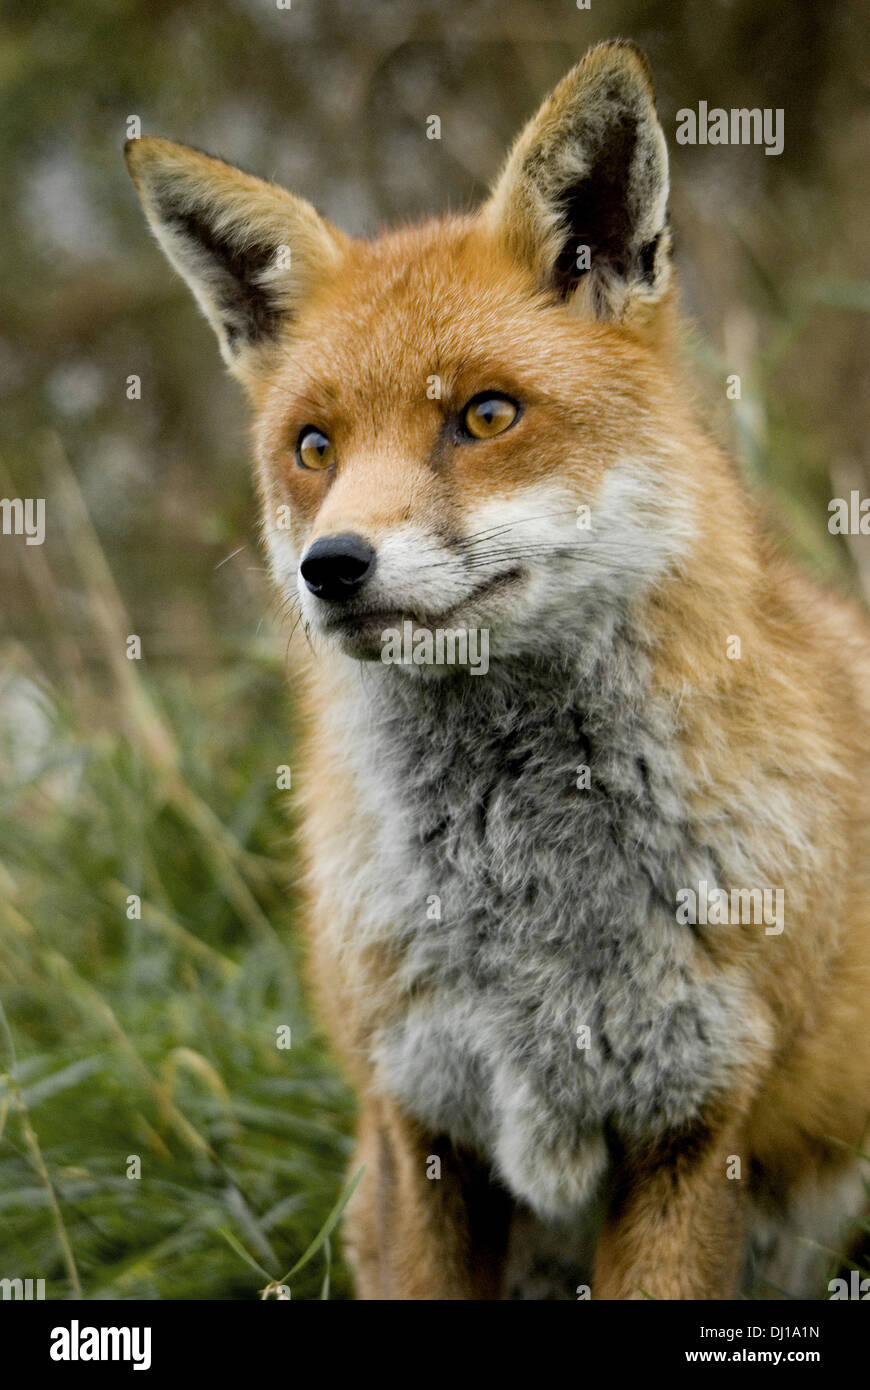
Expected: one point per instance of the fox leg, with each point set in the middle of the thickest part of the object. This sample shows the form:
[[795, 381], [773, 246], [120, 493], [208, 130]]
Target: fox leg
[[424, 1222], [675, 1225]]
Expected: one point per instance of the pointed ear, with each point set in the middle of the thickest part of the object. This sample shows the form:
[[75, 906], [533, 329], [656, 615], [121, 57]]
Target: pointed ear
[[249, 251], [591, 171]]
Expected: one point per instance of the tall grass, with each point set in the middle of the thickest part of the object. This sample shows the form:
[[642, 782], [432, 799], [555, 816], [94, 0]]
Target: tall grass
[[151, 1031]]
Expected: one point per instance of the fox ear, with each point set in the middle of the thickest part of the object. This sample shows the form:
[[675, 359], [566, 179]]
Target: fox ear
[[249, 250], [583, 196]]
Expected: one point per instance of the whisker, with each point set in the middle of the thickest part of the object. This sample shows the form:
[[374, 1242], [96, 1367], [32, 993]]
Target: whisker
[[232, 555], [520, 521]]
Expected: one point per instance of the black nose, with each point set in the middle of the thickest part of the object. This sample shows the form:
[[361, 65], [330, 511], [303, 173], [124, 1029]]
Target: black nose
[[337, 566]]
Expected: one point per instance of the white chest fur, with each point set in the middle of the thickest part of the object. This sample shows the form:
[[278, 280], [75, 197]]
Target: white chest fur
[[550, 993]]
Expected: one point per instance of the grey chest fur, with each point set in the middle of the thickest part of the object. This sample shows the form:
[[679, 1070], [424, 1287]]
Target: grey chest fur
[[550, 991]]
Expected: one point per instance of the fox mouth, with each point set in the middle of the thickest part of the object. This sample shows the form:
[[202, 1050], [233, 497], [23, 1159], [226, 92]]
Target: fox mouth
[[362, 628]]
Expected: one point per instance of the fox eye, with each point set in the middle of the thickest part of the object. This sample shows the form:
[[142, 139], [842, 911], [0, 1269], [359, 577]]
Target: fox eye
[[314, 450], [489, 414]]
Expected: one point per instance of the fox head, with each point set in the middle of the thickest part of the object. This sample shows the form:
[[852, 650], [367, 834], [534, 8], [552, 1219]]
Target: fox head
[[467, 423]]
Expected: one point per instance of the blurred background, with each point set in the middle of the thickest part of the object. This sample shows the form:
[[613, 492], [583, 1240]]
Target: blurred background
[[149, 1030]]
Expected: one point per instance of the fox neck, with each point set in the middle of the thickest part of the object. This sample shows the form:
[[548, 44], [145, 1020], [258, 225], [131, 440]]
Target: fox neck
[[552, 705]]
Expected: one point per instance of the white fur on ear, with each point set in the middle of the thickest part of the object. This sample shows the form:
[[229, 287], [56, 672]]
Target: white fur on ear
[[583, 195], [248, 249]]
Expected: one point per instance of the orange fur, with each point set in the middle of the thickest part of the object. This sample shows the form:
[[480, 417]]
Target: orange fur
[[788, 725]]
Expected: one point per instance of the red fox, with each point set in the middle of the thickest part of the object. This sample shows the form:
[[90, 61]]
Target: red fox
[[586, 764]]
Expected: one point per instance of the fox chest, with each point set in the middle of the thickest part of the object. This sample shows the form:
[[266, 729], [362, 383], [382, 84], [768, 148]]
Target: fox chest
[[530, 886]]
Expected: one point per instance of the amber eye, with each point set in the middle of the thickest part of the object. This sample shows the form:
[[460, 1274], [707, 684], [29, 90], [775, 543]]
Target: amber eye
[[314, 449], [488, 415]]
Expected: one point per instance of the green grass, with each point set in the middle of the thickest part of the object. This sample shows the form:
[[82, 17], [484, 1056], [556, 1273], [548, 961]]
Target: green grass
[[155, 1036]]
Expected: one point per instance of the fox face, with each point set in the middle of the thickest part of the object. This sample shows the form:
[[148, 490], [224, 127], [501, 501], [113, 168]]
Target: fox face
[[462, 424]]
